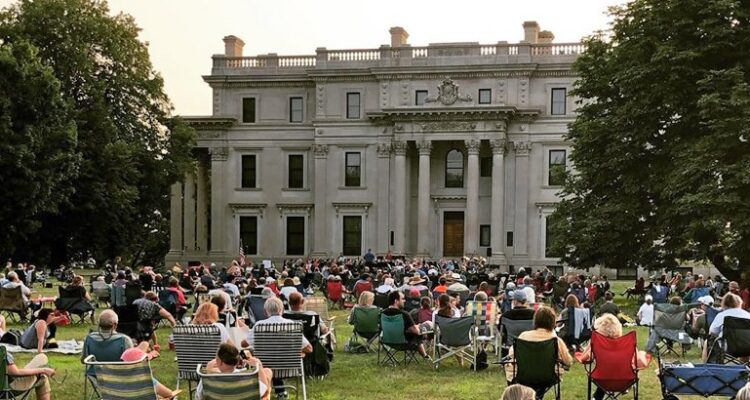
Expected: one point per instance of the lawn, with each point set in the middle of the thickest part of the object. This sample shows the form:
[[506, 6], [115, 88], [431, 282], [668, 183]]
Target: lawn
[[357, 376]]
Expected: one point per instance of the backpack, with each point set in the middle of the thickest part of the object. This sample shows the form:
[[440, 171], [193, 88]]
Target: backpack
[[13, 337], [481, 360]]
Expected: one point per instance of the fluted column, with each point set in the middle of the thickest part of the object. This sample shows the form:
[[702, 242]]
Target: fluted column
[[218, 204], [423, 199], [471, 231], [175, 220], [399, 195], [321, 221], [189, 212], [384, 163], [497, 219], [520, 237], [201, 213]]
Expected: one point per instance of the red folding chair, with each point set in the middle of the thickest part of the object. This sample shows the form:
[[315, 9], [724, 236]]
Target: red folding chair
[[613, 365]]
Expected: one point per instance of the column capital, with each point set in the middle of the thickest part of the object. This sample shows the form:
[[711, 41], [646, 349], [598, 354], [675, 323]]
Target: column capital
[[522, 148], [501, 126], [498, 146], [398, 147], [384, 150], [424, 147], [218, 153], [320, 150], [472, 146]]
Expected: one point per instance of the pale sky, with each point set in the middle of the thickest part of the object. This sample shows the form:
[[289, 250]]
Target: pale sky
[[183, 34]]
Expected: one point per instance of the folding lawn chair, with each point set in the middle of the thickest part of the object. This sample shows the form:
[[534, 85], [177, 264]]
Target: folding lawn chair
[[735, 339], [102, 293], [535, 365], [6, 392], [11, 302], [277, 346], [108, 350], [255, 310], [393, 341], [194, 345], [234, 386], [366, 327], [381, 300], [485, 318], [701, 380], [454, 337], [511, 329], [668, 329], [320, 306], [124, 380], [578, 327], [612, 367]]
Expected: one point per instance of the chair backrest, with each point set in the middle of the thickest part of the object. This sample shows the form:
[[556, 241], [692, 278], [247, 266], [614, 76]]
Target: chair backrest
[[66, 292], [123, 380], [381, 300], [109, 350], [536, 362], [579, 321], [318, 305], [132, 292], [235, 386], [614, 369], [455, 332], [118, 296], [4, 381], [11, 299], [711, 314], [310, 322], [412, 303], [194, 344], [392, 329], [670, 316], [366, 319], [515, 327], [102, 292], [484, 313], [255, 307], [736, 332], [278, 346], [334, 289]]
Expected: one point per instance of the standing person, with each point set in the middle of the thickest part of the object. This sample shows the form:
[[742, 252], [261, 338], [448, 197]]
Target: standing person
[[645, 314], [369, 257], [37, 335]]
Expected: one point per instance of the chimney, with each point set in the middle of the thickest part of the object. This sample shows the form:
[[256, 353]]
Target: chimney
[[233, 46], [398, 36], [530, 32], [546, 37]]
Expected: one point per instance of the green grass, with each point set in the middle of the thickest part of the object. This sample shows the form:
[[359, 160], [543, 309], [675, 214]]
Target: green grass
[[356, 376]]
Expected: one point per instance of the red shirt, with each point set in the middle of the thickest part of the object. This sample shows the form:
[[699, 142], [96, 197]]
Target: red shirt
[[180, 296]]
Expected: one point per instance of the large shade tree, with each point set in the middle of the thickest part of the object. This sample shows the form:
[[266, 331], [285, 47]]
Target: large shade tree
[[661, 142], [130, 148]]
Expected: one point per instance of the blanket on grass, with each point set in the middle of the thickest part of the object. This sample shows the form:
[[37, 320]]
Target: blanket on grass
[[63, 347]]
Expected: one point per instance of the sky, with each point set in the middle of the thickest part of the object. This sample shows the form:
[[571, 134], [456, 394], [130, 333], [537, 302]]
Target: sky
[[183, 34]]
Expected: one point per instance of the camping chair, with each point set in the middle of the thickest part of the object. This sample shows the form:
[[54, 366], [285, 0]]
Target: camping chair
[[168, 300], [577, 333], [71, 301], [255, 310], [6, 392], [108, 350], [194, 345], [485, 318], [735, 339], [130, 324], [118, 297], [365, 321], [335, 292], [278, 346], [320, 306], [11, 302], [612, 367], [454, 337], [234, 386], [711, 314], [511, 329], [317, 364], [668, 328], [535, 364], [133, 292], [381, 300], [124, 380], [393, 341], [102, 293], [412, 303]]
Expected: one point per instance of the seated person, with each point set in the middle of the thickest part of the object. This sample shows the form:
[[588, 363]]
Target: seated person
[[149, 311], [107, 334], [297, 304], [731, 305], [609, 305], [77, 286], [226, 317], [228, 361], [41, 330], [135, 354], [697, 317], [174, 286], [396, 301], [519, 311], [208, 314], [13, 282], [33, 375], [518, 392]]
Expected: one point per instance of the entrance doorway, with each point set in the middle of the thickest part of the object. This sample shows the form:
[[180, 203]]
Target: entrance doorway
[[453, 234]]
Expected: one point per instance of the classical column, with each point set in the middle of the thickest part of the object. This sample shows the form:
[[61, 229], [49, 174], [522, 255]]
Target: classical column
[[320, 237], [175, 220], [219, 240], [399, 194], [497, 220], [384, 163], [423, 199], [189, 213], [201, 213], [520, 237], [472, 197]]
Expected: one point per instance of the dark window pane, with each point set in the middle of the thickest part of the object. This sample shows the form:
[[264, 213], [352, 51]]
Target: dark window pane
[[557, 170], [484, 235], [248, 110], [249, 234], [353, 169], [295, 109], [295, 236], [549, 238], [485, 167], [296, 171], [485, 96], [509, 239], [352, 236], [248, 171], [558, 101], [352, 105], [419, 97], [454, 169]]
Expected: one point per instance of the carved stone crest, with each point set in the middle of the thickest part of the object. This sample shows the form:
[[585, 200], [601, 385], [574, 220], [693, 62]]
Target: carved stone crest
[[448, 94], [384, 149], [320, 150]]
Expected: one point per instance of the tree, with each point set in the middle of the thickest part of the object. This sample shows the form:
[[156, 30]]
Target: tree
[[37, 150], [660, 143], [131, 149]]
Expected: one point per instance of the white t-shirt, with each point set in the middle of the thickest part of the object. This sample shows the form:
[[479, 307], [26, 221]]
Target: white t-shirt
[[530, 294], [288, 290], [646, 314], [718, 325]]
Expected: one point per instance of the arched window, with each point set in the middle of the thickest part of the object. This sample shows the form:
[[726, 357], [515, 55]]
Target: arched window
[[454, 169]]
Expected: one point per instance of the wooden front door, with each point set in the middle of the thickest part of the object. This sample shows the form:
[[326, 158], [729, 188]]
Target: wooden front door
[[453, 234]]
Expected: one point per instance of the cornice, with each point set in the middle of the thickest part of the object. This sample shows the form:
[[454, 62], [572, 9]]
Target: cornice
[[209, 123], [389, 116]]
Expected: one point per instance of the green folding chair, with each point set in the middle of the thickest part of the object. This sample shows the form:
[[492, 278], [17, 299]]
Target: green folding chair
[[234, 386], [5, 390], [366, 327], [123, 380], [536, 365], [393, 341], [455, 337]]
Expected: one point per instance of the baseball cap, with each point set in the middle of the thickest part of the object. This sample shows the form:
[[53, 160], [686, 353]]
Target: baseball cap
[[706, 300], [518, 295]]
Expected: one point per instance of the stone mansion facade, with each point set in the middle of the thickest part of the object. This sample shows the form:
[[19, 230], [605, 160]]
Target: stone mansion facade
[[444, 150]]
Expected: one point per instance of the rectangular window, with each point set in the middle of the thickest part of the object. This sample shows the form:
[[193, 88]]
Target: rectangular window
[[353, 169], [296, 171], [295, 109], [509, 239], [352, 106], [485, 96], [419, 97], [249, 234], [557, 162], [484, 235], [249, 171], [549, 238], [392, 237], [485, 167], [558, 101], [248, 110], [352, 236], [295, 236]]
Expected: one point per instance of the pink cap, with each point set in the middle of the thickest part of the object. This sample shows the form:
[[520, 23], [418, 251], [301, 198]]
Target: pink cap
[[132, 354]]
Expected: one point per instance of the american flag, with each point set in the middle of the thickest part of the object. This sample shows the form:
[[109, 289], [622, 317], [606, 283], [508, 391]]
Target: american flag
[[242, 255]]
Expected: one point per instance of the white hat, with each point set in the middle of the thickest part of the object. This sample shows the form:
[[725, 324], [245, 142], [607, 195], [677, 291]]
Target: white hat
[[270, 279], [648, 297], [706, 300]]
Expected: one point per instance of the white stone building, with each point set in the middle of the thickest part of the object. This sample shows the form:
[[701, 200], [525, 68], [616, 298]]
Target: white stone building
[[444, 150]]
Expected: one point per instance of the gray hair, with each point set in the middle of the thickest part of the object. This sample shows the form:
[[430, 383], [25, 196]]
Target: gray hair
[[107, 320], [273, 306], [267, 293], [480, 296], [12, 276]]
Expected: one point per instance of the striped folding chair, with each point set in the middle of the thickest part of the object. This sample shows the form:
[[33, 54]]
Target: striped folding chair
[[123, 380], [234, 386], [278, 346], [320, 306], [194, 345], [485, 319]]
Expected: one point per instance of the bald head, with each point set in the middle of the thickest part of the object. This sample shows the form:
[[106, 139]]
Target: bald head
[[107, 320]]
